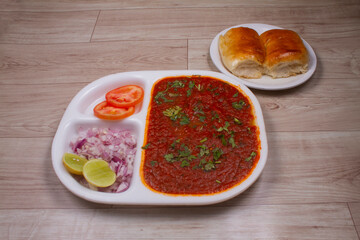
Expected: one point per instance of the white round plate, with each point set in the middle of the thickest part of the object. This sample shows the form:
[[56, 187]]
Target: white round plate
[[79, 114], [265, 82]]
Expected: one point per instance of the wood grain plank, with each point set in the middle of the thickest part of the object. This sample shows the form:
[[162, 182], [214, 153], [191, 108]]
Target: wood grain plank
[[314, 221], [310, 186], [307, 168], [78, 64], [34, 116], [19, 118], [40, 27], [310, 114], [355, 212], [193, 23], [77, 5], [337, 73], [86, 62], [26, 162], [301, 168]]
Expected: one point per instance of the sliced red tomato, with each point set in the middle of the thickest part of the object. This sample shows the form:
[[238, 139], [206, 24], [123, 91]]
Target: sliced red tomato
[[104, 111], [125, 96]]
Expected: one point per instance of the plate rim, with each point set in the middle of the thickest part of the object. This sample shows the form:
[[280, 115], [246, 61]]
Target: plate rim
[[109, 198]]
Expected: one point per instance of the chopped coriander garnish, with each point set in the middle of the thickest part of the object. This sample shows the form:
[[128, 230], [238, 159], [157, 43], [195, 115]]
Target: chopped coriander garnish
[[191, 84], [153, 163], [167, 100], [198, 110], [184, 163], [209, 166], [174, 94], [222, 138], [183, 155], [238, 105], [174, 143], [249, 130], [191, 157], [188, 92], [178, 84], [161, 95], [227, 124], [218, 181], [252, 155], [169, 157], [146, 146], [184, 120], [202, 162], [186, 152], [215, 116], [225, 127], [236, 94], [237, 121], [213, 89], [203, 140], [204, 151], [201, 146], [173, 112], [232, 142], [217, 152]]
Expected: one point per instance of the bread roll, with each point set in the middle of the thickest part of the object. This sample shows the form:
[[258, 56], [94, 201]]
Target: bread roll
[[286, 54], [242, 52]]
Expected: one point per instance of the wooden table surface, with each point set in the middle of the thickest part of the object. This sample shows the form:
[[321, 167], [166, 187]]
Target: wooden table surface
[[49, 50]]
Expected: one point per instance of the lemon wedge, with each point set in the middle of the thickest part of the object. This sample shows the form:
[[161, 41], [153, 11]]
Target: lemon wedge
[[74, 163], [98, 173]]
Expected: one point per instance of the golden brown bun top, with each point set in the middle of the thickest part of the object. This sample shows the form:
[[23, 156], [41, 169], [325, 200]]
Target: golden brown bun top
[[283, 45], [242, 43]]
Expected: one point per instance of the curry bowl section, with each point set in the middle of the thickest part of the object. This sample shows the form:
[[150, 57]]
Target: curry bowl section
[[78, 127], [201, 136]]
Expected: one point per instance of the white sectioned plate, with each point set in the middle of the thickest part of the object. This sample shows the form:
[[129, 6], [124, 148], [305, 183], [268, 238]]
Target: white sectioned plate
[[265, 82], [79, 113]]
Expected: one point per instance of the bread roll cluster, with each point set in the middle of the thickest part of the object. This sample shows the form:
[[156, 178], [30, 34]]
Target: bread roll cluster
[[279, 53]]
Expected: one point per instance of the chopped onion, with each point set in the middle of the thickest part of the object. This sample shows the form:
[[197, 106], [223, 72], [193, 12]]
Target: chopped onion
[[116, 146]]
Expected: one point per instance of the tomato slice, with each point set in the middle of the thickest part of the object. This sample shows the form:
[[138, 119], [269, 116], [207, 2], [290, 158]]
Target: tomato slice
[[125, 96], [104, 111]]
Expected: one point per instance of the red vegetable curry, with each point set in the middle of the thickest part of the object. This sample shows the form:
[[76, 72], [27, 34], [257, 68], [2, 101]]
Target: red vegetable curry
[[201, 136]]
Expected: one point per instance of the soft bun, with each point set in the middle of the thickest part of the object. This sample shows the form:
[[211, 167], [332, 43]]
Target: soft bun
[[242, 52], [286, 54]]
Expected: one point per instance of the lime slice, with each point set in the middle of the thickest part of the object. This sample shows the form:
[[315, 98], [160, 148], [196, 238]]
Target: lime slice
[[74, 163], [98, 173]]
